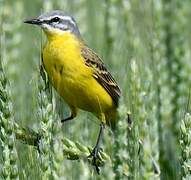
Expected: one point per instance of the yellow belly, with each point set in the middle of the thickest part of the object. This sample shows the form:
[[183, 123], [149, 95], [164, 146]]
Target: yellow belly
[[72, 79]]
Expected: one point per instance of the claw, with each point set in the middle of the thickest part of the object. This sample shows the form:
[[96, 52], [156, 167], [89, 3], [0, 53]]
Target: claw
[[37, 142], [95, 156]]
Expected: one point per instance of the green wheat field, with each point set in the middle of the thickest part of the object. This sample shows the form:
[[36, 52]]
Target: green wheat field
[[146, 44]]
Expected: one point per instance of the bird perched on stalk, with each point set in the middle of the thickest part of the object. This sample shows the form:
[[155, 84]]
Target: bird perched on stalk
[[77, 72]]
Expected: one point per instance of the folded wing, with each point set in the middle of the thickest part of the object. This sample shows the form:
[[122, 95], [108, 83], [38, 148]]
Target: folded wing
[[101, 74]]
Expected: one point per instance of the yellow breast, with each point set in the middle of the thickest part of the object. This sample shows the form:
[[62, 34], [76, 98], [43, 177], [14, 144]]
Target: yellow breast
[[71, 77]]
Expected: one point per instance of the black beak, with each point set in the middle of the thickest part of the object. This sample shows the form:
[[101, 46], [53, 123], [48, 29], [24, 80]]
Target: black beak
[[33, 21]]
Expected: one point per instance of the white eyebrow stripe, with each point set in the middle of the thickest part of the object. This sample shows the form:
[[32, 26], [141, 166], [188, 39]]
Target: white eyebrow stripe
[[67, 18]]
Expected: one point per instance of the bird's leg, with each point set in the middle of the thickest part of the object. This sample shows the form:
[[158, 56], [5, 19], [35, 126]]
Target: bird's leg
[[95, 151], [72, 116], [68, 118]]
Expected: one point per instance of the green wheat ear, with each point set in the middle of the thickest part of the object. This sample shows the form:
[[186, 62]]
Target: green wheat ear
[[185, 143], [44, 143], [7, 136]]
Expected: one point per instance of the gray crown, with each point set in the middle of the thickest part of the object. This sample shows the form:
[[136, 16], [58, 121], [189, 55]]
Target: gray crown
[[66, 22]]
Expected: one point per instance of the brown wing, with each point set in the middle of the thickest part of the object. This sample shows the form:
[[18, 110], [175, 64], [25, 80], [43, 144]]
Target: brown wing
[[101, 74]]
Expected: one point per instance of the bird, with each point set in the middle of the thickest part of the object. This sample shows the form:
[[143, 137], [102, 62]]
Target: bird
[[76, 72]]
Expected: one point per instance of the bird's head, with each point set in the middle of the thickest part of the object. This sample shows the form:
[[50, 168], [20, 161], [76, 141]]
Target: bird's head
[[56, 22]]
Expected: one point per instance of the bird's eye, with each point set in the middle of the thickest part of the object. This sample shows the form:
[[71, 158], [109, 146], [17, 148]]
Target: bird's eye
[[55, 19]]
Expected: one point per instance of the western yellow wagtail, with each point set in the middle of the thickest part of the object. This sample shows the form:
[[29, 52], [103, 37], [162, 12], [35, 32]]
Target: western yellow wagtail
[[77, 72]]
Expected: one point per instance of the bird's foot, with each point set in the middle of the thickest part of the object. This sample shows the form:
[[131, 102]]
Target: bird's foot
[[37, 142], [95, 159]]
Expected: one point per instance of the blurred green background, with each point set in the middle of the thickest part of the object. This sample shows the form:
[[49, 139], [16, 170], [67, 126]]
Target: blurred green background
[[147, 47]]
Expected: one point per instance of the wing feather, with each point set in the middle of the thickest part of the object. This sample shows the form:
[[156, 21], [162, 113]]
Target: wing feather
[[101, 74]]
